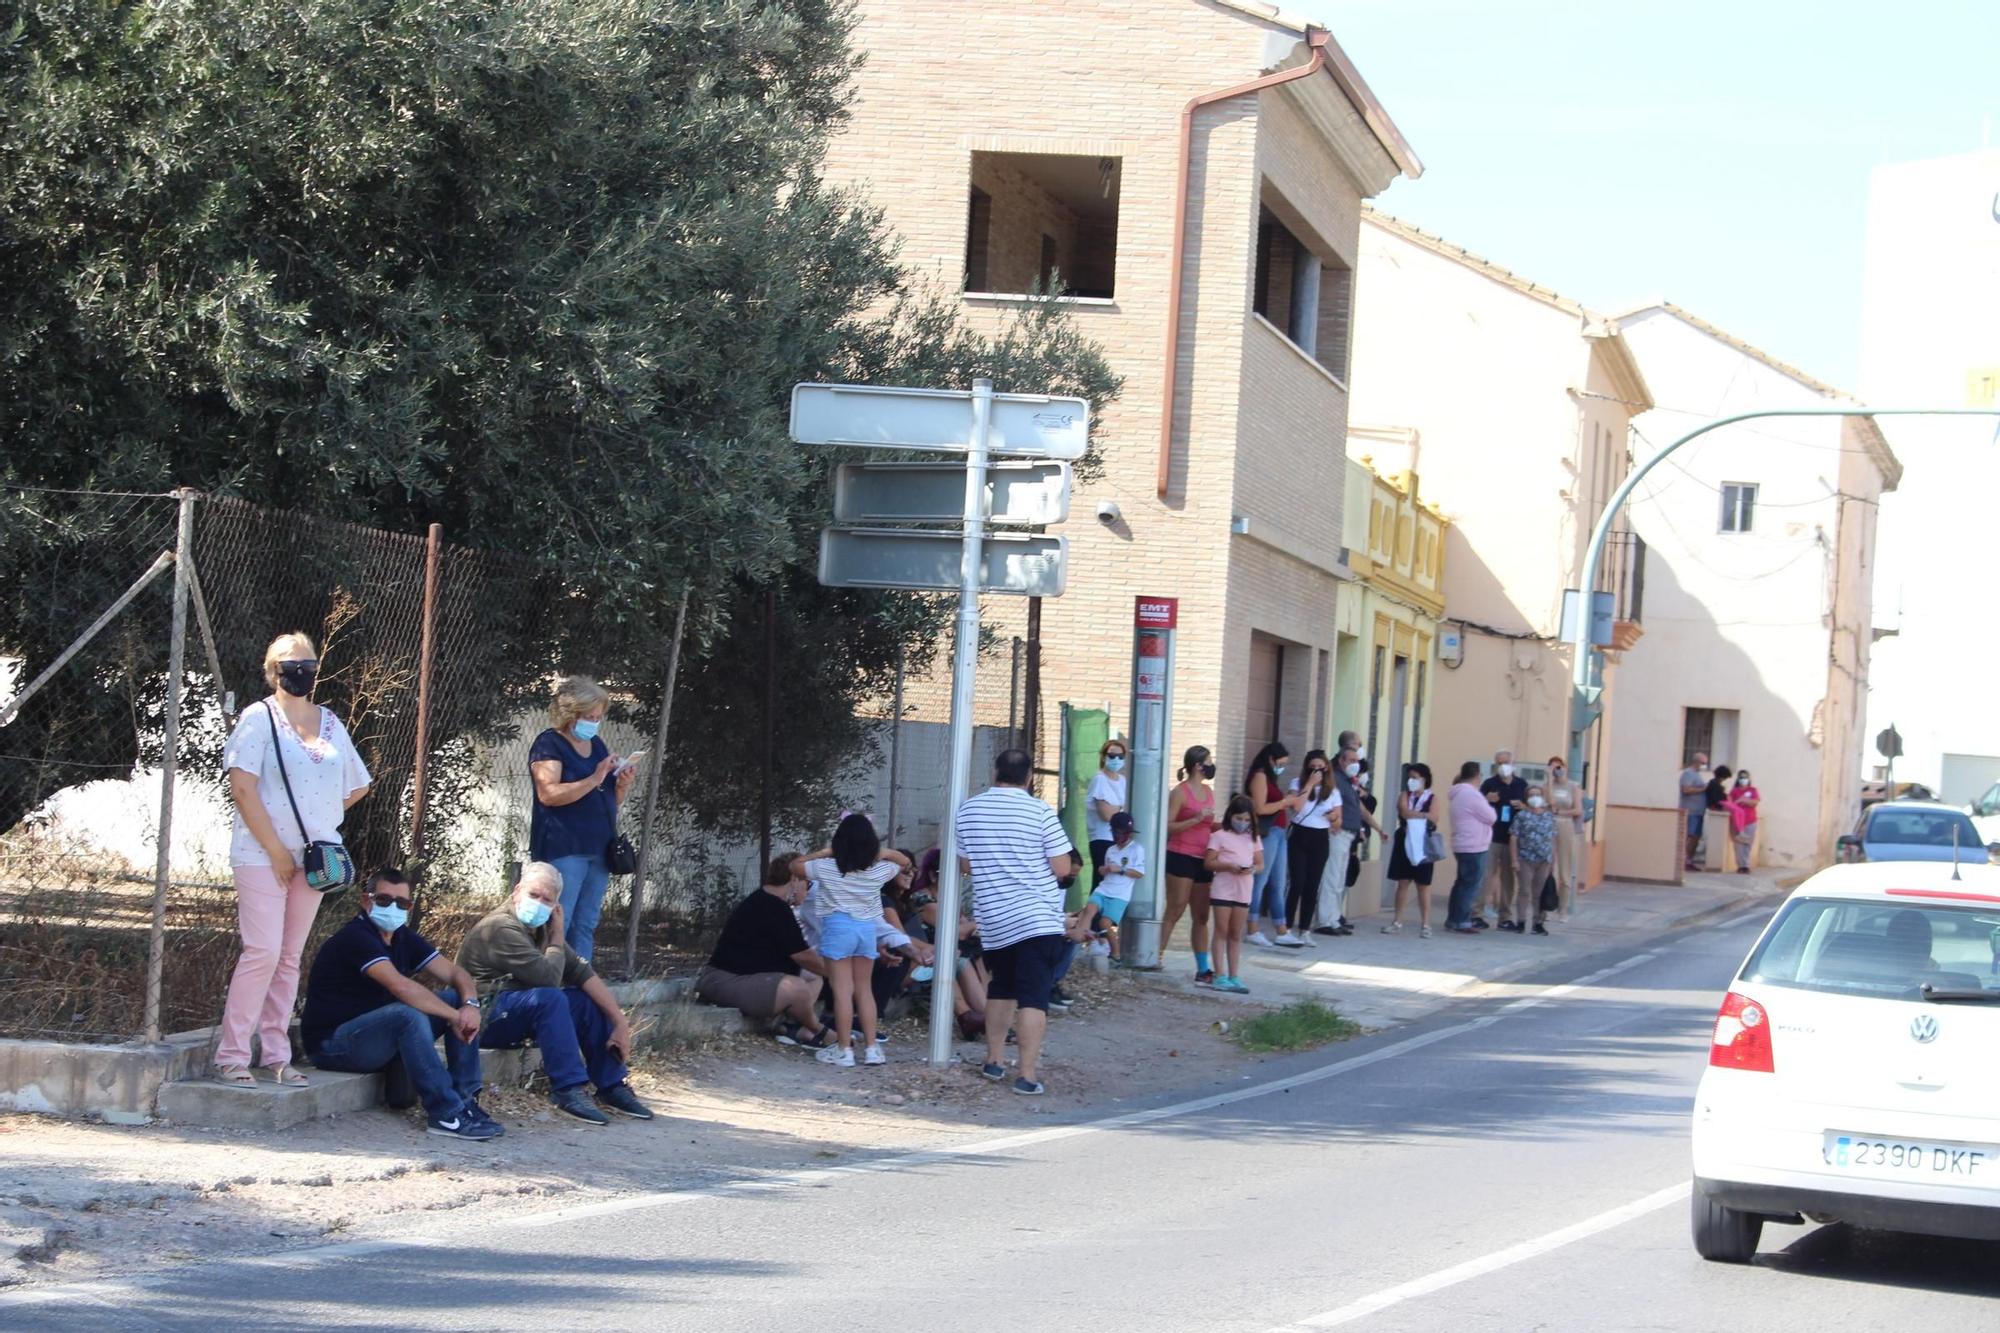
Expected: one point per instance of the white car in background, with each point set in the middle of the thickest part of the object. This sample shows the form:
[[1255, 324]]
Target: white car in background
[[1854, 1071], [1985, 814]]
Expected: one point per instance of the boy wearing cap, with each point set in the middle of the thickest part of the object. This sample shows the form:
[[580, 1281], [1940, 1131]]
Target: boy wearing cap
[[1124, 863]]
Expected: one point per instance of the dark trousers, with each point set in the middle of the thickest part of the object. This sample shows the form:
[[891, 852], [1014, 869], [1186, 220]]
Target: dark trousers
[[1305, 854], [568, 1027], [1465, 889], [373, 1041]]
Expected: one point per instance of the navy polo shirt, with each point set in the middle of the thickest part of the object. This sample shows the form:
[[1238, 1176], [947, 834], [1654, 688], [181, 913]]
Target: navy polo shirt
[[342, 984]]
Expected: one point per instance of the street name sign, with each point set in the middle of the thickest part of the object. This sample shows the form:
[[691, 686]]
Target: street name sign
[[916, 560], [1023, 425], [1017, 494]]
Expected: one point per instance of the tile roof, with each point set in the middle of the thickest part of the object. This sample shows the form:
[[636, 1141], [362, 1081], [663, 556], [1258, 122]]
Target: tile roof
[[1818, 386], [1459, 254]]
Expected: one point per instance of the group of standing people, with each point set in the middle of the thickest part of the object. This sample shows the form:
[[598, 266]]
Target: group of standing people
[[1724, 792], [294, 772]]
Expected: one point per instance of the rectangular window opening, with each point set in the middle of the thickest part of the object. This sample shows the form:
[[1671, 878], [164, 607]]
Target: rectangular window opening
[[1739, 505], [1043, 222], [1308, 295]]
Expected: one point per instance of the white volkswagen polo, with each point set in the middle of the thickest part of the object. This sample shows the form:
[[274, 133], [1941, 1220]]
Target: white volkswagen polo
[[1854, 1073]]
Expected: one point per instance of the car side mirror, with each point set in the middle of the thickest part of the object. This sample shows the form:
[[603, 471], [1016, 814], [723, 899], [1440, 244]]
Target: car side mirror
[[1993, 852], [1847, 847]]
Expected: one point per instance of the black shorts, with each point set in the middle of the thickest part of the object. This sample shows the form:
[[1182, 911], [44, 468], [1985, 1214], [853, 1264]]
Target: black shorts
[[1182, 866], [1025, 971]]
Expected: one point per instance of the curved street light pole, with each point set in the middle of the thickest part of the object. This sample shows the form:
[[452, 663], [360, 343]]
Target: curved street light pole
[[1582, 693]]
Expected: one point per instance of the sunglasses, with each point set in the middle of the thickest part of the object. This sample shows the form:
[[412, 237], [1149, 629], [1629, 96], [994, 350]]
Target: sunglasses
[[388, 900]]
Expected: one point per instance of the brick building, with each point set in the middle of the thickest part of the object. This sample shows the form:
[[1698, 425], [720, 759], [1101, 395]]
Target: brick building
[[1208, 244]]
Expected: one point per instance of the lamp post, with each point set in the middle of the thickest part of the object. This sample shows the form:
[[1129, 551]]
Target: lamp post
[[1583, 695]]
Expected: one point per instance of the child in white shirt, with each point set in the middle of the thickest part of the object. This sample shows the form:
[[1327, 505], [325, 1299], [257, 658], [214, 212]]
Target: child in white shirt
[[1124, 865]]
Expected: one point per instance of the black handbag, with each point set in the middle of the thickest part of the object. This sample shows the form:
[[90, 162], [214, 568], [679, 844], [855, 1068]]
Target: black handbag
[[1551, 900], [328, 865], [620, 857]]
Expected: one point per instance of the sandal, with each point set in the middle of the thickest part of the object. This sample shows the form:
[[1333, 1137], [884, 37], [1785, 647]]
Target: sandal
[[234, 1076], [1425, 933], [287, 1077]]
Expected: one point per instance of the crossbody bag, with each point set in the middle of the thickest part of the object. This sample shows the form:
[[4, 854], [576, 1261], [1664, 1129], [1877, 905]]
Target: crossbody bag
[[328, 865]]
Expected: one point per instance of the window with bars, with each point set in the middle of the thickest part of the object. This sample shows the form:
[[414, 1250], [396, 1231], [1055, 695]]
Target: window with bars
[[1375, 699], [1417, 713]]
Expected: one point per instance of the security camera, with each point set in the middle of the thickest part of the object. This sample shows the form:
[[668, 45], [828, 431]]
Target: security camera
[[1108, 512]]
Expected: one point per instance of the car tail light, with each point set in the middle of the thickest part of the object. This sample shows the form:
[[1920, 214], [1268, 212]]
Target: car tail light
[[1742, 1036]]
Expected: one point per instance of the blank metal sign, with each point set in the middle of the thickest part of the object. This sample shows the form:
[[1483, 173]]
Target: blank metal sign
[[1017, 494], [1024, 425], [913, 559]]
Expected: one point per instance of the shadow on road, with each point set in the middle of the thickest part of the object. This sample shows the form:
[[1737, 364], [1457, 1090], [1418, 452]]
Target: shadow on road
[[1891, 1259]]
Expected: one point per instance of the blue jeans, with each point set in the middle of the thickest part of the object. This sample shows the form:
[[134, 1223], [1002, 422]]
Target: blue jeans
[[1465, 889], [568, 1027], [1267, 890], [367, 1044], [584, 881]]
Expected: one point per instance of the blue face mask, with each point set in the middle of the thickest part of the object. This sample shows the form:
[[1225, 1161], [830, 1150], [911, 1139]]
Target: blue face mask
[[391, 919], [532, 913], [1115, 764], [585, 729]]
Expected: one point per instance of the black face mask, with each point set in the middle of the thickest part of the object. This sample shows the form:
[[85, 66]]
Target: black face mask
[[1208, 770], [296, 678]]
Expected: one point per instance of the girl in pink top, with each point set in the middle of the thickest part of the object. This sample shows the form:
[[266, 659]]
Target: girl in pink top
[[1234, 856], [1190, 819]]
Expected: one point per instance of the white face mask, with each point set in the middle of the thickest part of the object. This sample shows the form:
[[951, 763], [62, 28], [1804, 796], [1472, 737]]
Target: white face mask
[[1537, 802], [1360, 752], [1415, 784], [1363, 779], [1506, 770], [1353, 770]]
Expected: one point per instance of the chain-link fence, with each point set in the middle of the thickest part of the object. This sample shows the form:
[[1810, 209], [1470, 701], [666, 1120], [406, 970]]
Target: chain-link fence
[[439, 660]]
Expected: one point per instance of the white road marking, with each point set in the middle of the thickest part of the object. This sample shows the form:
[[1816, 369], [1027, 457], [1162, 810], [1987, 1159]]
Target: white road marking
[[323, 1254], [1499, 1259]]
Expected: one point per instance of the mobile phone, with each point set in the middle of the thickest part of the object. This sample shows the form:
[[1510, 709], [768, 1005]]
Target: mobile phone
[[630, 762]]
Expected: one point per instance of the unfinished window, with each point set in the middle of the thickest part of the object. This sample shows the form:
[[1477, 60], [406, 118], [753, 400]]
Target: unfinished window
[[1308, 295], [1739, 504], [1043, 222]]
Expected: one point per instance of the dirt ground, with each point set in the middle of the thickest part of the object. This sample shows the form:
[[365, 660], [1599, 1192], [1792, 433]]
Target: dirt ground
[[83, 1200]]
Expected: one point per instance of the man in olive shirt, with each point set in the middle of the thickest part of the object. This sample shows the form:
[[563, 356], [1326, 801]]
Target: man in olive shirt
[[534, 985]]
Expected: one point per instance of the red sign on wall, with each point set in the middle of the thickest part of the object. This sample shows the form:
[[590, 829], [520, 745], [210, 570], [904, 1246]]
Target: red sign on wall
[[1156, 612]]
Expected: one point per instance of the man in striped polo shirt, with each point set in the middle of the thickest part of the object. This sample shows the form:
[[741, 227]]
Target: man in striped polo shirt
[[1015, 849]]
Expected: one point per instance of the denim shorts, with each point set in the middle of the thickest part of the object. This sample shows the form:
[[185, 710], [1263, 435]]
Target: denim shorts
[[1111, 909], [844, 936]]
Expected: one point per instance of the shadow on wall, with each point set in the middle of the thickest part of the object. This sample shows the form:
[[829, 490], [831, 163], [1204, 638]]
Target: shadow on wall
[[1685, 661]]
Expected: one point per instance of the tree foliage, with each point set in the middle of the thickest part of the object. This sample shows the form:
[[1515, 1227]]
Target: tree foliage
[[542, 271]]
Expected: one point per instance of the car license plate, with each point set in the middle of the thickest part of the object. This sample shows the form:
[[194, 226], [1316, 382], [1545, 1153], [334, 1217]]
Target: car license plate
[[1920, 1159]]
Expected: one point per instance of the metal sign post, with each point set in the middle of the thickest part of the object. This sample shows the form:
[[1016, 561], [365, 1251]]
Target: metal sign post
[[964, 661], [1153, 620], [976, 425]]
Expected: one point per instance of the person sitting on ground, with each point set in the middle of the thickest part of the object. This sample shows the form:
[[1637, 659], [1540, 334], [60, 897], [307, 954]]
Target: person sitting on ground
[[1124, 865], [534, 984], [762, 966], [364, 1010], [969, 994]]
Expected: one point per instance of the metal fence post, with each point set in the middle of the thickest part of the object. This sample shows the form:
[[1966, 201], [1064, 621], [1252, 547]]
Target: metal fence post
[[420, 764], [659, 757], [169, 764]]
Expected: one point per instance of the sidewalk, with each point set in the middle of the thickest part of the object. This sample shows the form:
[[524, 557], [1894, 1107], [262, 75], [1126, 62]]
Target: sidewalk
[[1382, 980]]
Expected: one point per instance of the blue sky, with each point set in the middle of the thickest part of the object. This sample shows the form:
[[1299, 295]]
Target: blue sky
[[1713, 154]]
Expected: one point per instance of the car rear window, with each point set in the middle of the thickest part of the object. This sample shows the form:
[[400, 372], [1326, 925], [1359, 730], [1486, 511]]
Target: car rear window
[[1923, 828], [1886, 949]]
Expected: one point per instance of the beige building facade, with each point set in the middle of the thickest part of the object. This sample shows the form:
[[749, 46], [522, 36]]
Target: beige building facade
[[1204, 236], [1513, 402], [1758, 596]]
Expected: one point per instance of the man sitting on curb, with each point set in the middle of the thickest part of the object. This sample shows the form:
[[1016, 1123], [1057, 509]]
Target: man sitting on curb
[[536, 986], [762, 965], [363, 1010]]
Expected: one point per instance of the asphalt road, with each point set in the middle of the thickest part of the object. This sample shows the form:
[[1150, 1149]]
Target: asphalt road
[[1515, 1163]]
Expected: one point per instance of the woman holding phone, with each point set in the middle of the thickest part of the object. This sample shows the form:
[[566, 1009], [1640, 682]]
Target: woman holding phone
[[579, 785]]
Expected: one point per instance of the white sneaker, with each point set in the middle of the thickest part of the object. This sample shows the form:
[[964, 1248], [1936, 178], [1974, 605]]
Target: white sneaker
[[1290, 941], [841, 1056], [1100, 949], [873, 1056], [1307, 941], [1258, 938]]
